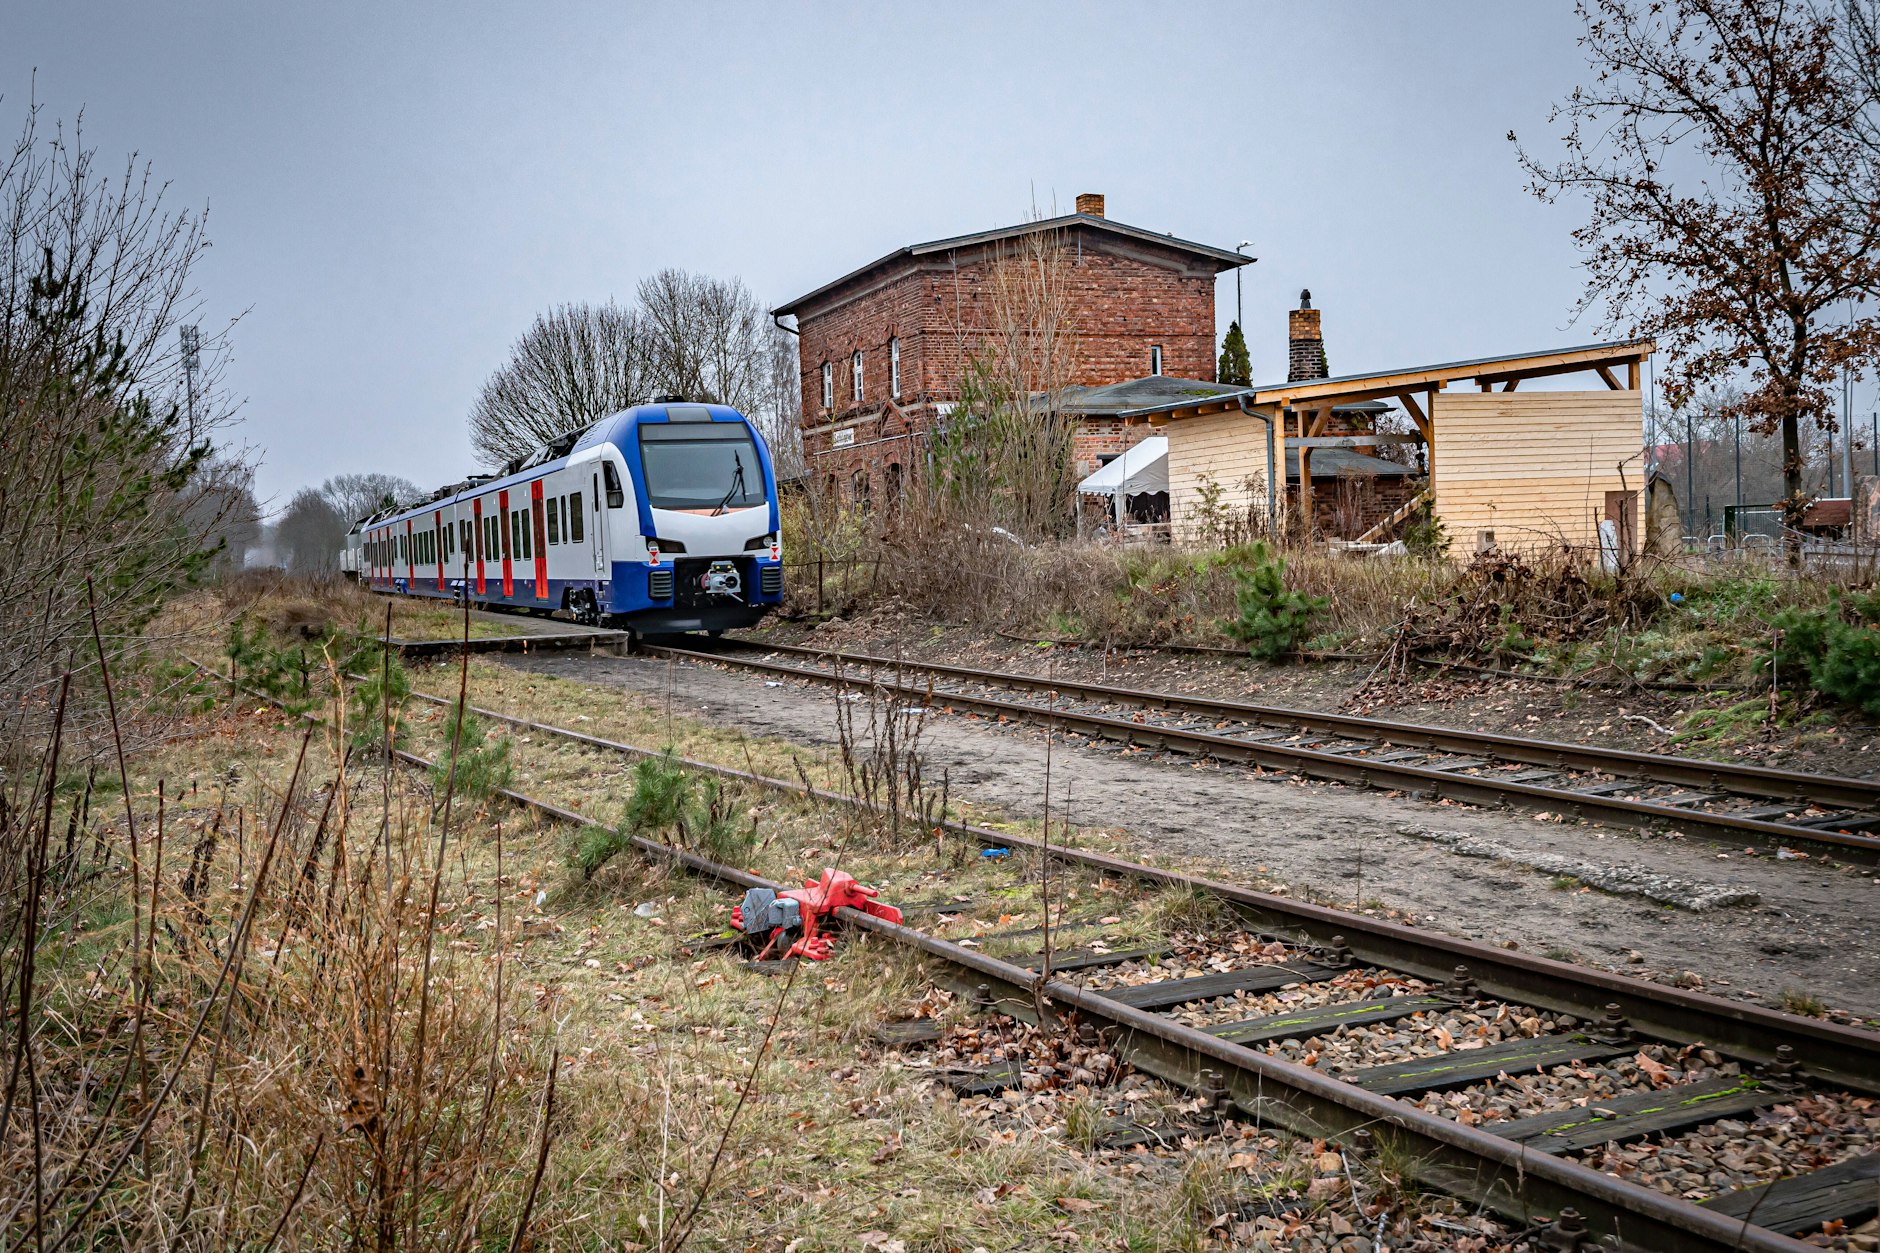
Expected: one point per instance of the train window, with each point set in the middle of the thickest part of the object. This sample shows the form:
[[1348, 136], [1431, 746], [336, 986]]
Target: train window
[[575, 524], [528, 532], [615, 496], [554, 523], [701, 467]]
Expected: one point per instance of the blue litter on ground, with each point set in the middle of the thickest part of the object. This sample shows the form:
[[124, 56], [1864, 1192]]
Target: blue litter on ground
[[994, 852]]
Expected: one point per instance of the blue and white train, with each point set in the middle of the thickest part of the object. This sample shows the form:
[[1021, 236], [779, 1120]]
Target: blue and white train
[[662, 518]]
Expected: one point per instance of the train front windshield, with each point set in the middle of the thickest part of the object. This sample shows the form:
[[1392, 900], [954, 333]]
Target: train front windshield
[[701, 466]]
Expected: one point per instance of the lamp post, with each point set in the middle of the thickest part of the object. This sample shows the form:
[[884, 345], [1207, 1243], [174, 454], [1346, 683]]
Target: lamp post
[[1239, 319]]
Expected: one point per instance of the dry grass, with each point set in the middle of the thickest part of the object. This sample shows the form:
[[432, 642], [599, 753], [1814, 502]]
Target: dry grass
[[695, 1102]]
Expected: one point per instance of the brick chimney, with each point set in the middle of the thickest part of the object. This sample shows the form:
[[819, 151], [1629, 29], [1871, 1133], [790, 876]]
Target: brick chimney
[[1090, 202], [1305, 343]]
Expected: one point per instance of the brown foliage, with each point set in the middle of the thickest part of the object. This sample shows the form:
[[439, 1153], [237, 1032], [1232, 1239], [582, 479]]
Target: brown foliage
[[1725, 152]]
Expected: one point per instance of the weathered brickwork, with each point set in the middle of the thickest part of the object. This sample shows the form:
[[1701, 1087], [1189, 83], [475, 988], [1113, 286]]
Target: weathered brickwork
[[1127, 297]]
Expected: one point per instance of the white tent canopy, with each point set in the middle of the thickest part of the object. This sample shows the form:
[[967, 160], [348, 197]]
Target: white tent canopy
[[1141, 469], [1144, 468]]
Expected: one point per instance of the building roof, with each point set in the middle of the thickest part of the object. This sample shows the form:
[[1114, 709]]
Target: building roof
[[1222, 258], [1332, 463], [1134, 398], [1507, 366]]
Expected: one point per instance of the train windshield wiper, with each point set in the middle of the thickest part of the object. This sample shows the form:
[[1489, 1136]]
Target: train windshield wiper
[[737, 484]]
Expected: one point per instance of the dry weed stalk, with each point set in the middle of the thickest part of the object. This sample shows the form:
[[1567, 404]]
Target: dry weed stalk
[[237, 1066]]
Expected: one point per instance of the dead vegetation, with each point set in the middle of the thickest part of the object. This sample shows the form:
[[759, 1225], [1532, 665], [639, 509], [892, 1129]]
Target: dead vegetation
[[281, 995]]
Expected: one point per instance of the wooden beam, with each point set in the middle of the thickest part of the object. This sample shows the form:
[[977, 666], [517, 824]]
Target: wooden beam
[[1631, 374], [1485, 385], [1384, 383], [1605, 372], [1409, 401], [1510, 385], [1352, 441]]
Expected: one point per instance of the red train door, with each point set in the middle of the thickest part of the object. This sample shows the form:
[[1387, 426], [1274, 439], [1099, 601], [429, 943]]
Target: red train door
[[541, 540], [437, 521], [505, 533], [476, 534]]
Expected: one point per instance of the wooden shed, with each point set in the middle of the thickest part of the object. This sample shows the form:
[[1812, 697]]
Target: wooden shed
[[1505, 467]]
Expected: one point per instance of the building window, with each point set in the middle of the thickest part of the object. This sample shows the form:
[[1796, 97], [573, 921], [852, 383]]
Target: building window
[[829, 385], [1155, 358], [855, 377], [894, 367]]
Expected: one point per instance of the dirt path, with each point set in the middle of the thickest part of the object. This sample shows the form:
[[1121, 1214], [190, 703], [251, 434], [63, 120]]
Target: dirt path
[[1811, 929]]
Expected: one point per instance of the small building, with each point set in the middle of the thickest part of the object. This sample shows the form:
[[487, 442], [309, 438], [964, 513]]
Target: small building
[[881, 350], [1503, 467], [1351, 487]]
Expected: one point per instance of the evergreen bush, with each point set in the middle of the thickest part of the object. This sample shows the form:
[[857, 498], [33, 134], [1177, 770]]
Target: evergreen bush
[[1272, 621]]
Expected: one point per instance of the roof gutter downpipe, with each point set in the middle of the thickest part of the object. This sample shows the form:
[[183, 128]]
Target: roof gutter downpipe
[[776, 321], [1272, 484]]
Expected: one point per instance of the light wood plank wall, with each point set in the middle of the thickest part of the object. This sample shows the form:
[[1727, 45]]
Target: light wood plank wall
[[1230, 449], [1534, 467]]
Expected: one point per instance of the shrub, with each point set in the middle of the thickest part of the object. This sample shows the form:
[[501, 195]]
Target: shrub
[[483, 766], [1839, 647], [1272, 621], [378, 700], [670, 804], [257, 662]]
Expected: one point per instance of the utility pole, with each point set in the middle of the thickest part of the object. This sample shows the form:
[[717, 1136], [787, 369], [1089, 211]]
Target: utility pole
[[1847, 430], [1240, 317], [191, 337], [1736, 425], [1690, 468]]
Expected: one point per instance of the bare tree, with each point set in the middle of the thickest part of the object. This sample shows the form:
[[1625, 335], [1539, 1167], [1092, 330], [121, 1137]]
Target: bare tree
[[573, 366], [686, 335], [310, 533], [353, 496], [1727, 151], [100, 478], [707, 339], [1005, 451]]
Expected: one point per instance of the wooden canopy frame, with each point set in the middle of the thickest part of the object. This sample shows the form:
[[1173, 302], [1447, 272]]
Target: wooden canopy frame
[[1308, 403]]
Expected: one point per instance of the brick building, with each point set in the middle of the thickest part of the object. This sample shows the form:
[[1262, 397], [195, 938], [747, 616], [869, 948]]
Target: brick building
[[881, 349]]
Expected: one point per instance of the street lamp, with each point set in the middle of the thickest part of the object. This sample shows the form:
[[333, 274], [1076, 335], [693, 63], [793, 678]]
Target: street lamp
[[1238, 317]]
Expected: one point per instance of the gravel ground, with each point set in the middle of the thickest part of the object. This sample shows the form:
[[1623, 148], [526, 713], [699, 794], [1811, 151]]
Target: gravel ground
[[1840, 744], [1811, 931]]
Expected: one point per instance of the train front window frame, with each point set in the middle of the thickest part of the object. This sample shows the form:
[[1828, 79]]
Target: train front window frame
[[695, 468]]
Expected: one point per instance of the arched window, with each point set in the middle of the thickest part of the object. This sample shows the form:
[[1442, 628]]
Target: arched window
[[859, 484], [855, 376], [828, 386], [894, 367]]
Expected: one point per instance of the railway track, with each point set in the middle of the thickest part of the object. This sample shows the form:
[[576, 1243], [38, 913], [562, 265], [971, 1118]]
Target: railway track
[[1718, 800], [1531, 1087]]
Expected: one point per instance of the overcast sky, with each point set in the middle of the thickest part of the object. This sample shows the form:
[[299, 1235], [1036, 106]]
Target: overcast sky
[[396, 190]]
